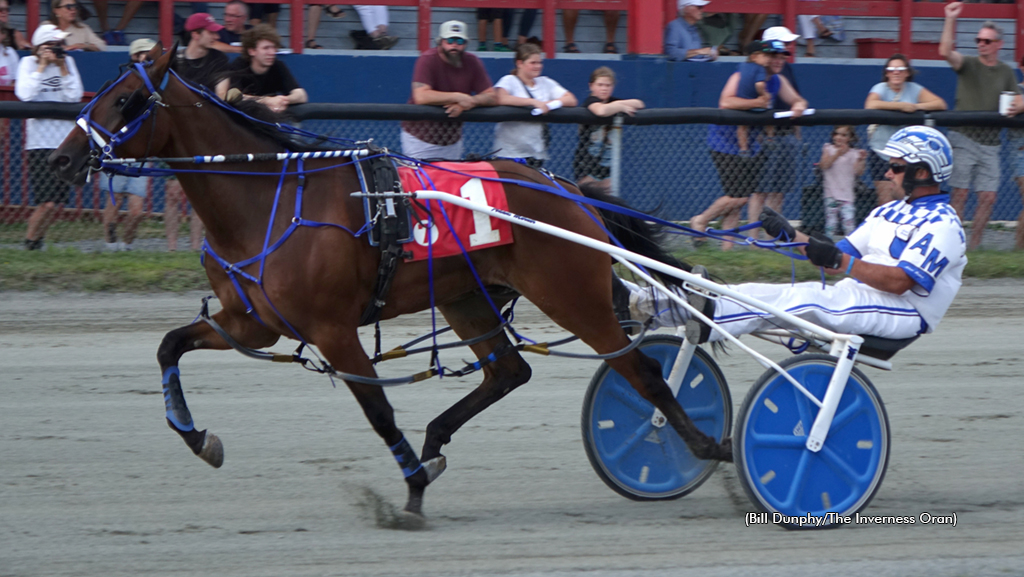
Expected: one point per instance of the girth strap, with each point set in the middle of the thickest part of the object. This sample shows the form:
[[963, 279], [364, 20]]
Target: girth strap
[[392, 216]]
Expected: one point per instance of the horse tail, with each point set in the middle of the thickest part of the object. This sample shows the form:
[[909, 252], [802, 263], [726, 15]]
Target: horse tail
[[635, 234]]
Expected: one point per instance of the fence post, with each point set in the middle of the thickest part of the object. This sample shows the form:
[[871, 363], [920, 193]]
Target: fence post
[[548, 26], [423, 33], [31, 16], [906, 26], [616, 138], [166, 23], [296, 27]]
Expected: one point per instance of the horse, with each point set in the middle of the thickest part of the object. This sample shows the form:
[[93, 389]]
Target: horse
[[317, 283]]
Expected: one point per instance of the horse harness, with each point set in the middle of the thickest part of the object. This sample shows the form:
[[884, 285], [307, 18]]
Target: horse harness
[[391, 220]]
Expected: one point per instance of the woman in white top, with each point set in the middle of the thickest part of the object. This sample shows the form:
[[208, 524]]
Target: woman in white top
[[48, 75], [526, 87], [898, 93], [65, 15]]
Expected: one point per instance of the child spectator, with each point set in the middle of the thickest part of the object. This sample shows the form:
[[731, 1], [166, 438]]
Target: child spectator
[[592, 161], [841, 164], [757, 81]]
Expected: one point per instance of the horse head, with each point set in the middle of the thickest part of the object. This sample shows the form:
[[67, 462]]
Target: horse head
[[109, 126]]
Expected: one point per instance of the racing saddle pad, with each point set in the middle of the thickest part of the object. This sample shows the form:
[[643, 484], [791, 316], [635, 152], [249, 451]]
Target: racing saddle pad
[[475, 230]]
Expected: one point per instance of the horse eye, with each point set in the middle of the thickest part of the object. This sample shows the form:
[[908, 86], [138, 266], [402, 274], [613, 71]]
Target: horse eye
[[121, 101]]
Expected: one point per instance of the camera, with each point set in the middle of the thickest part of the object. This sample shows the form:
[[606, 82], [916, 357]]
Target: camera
[[58, 51]]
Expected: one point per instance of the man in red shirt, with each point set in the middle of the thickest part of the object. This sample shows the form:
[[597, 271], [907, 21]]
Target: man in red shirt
[[447, 76]]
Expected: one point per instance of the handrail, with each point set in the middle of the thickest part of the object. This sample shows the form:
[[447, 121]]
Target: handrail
[[646, 19]]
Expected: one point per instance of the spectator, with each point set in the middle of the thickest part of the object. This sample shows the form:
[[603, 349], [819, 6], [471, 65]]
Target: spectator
[[682, 37], [446, 76], [47, 75], [895, 92], [1016, 137], [717, 28], [841, 164], [115, 36], [8, 57], [592, 161], [121, 188], [374, 35], [525, 24], [526, 87], [611, 24], [813, 26], [781, 144], [738, 169], [259, 75], [980, 80], [64, 15], [199, 62], [485, 16], [260, 13], [229, 36], [12, 38]]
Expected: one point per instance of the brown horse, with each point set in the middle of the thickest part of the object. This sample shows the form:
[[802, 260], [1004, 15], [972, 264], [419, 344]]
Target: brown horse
[[321, 279]]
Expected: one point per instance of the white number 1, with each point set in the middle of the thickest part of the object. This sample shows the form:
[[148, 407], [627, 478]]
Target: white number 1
[[473, 191]]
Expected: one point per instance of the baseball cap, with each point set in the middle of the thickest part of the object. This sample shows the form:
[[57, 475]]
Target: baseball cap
[[453, 29], [47, 33], [202, 21], [779, 33], [141, 45], [684, 3], [766, 46]]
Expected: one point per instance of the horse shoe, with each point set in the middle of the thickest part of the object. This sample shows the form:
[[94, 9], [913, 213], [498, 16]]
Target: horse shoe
[[433, 468], [212, 451]]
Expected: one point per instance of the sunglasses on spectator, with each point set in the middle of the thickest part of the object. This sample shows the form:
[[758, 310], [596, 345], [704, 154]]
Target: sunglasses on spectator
[[985, 41], [69, 6], [4, 10], [897, 168], [895, 68], [455, 40]]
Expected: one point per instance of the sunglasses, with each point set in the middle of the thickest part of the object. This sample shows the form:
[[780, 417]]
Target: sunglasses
[[4, 10], [455, 40], [895, 68], [897, 168], [985, 41], [69, 6]]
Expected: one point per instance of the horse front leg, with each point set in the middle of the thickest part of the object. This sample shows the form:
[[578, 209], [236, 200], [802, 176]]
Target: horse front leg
[[194, 337]]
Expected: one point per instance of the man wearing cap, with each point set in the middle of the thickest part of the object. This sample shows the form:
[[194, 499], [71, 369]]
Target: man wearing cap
[[200, 63], [47, 75], [446, 76], [259, 75], [682, 37]]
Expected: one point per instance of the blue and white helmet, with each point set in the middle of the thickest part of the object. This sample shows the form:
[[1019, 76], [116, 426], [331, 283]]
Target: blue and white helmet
[[922, 144]]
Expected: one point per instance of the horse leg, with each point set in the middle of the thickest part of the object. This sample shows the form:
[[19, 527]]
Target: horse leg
[[472, 317], [586, 311], [196, 336]]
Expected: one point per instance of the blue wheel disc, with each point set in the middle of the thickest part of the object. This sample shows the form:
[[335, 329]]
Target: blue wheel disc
[[637, 459], [780, 474]]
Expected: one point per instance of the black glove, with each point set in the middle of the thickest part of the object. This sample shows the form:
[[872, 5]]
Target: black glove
[[824, 254], [776, 225]]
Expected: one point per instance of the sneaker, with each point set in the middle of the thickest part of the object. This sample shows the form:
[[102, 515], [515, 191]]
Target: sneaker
[[34, 244], [122, 246], [385, 42], [482, 47], [697, 332], [502, 48], [111, 246], [114, 38]]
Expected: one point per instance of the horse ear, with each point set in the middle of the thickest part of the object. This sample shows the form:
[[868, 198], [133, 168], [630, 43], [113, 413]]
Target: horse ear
[[155, 52], [161, 62]]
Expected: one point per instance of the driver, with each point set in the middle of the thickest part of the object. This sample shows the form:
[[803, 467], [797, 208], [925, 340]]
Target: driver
[[902, 265]]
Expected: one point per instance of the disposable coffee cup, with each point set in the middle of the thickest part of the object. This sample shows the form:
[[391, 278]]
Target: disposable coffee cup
[[1005, 100]]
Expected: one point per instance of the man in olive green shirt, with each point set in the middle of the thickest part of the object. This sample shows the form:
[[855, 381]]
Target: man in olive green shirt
[[981, 79]]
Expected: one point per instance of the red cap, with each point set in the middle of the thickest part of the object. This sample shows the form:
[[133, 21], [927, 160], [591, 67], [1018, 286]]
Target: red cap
[[200, 21]]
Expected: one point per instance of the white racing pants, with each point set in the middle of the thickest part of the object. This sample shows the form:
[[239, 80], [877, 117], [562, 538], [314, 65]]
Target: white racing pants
[[848, 307]]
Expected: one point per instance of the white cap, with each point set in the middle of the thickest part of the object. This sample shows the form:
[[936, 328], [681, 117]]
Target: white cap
[[684, 3], [47, 33], [453, 29], [140, 45], [779, 33]]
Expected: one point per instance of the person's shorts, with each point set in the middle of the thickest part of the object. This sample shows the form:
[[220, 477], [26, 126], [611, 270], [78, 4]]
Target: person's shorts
[[877, 166], [780, 159], [489, 14], [739, 174], [128, 184], [258, 11], [416, 148], [975, 166], [1016, 147], [46, 186]]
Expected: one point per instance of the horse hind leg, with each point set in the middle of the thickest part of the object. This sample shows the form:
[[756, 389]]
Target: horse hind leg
[[176, 343]]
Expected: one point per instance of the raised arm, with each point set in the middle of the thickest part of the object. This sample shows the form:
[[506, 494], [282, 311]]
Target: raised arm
[[729, 101], [629, 107], [790, 96], [947, 44]]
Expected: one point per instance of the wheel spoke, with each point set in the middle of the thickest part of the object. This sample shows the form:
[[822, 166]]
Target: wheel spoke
[[766, 441], [840, 468], [634, 402], [844, 417], [613, 457], [705, 413], [799, 479]]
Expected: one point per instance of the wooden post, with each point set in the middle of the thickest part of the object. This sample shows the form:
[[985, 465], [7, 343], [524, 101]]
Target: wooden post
[[906, 27], [423, 38], [31, 17], [1018, 48], [645, 24], [296, 28], [167, 23], [789, 11], [548, 28]]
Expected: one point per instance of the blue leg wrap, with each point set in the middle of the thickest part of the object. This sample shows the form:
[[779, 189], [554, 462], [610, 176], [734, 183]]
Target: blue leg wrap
[[406, 458], [174, 401]]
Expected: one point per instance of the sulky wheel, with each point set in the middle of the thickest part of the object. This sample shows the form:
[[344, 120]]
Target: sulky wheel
[[634, 457], [780, 475]]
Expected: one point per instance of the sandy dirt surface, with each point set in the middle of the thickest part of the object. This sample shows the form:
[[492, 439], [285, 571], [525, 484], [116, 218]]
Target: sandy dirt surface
[[92, 482]]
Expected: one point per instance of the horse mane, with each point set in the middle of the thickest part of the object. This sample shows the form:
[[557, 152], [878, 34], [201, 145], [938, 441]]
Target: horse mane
[[257, 118]]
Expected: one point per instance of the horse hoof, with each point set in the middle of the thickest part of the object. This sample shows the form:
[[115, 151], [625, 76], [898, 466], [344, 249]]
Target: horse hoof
[[409, 521], [434, 467], [213, 450]]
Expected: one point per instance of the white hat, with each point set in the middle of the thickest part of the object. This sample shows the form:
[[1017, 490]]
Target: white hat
[[453, 29], [684, 3], [779, 33], [140, 45], [47, 33]]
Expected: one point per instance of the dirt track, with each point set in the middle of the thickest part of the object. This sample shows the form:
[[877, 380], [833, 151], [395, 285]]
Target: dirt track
[[93, 483]]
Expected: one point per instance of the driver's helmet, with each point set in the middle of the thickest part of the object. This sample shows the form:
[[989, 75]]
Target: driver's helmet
[[923, 145]]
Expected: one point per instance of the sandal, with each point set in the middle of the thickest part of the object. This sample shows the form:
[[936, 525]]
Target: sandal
[[571, 48], [335, 11], [312, 44], [609, 48]]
